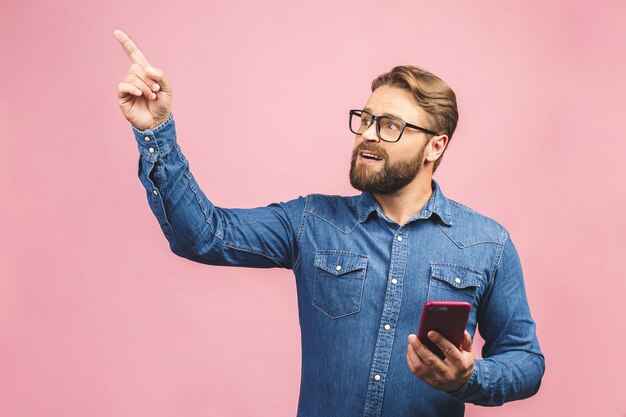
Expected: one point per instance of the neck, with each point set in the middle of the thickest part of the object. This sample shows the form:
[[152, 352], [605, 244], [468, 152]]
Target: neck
[[406, 202]]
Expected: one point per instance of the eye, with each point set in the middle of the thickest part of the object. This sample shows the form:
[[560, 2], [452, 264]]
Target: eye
[[392, 125]]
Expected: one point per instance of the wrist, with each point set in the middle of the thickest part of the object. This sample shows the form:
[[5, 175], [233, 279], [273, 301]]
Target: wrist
[[461, 383]]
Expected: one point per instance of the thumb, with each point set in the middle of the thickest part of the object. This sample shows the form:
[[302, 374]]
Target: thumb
[[466, 345]]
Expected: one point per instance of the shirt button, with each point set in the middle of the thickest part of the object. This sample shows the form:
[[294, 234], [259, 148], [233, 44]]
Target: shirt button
[[151, 150], [387, 327], [457, 280], [377, 377], [394, 281], [399, 238], [146, 138], [338, 267], [155, 192]]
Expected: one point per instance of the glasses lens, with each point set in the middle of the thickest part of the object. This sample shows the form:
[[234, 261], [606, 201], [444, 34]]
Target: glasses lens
[[390, 128], [359, 122]]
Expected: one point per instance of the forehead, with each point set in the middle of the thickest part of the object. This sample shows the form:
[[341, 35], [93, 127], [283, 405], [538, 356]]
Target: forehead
[[395, 101]]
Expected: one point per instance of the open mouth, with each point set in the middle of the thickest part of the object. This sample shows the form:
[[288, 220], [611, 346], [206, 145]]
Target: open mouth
[[368, 156]]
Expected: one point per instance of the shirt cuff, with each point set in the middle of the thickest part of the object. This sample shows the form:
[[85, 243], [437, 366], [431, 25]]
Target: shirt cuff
[[157, 141], [479, 372]]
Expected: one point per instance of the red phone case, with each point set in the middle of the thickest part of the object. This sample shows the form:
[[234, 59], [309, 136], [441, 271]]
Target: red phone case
[[448, 318]]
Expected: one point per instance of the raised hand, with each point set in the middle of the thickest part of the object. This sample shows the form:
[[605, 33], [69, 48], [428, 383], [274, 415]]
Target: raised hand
[[145, 94]]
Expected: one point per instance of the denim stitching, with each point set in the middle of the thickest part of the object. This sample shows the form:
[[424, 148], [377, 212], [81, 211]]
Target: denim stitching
[[469, 243], [296, 263], [344, 231], [496, 265]]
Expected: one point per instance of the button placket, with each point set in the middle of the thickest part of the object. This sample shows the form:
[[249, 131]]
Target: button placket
[[386, 332]]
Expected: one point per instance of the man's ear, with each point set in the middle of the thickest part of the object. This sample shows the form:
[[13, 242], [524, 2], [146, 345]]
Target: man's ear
[[435, 147]]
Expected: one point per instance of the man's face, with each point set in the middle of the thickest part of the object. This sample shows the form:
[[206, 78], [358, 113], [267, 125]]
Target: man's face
[[399, 162]]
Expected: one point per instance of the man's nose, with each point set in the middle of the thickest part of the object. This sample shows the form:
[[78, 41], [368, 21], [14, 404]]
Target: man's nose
[[370, 133]]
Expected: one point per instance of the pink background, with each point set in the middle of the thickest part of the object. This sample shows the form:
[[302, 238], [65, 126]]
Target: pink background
[[99, 318]]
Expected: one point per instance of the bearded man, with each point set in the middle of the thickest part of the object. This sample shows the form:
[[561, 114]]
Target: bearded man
[[364, 265]]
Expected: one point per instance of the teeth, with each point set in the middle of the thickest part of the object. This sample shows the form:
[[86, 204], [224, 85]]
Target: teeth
[[371, 155]]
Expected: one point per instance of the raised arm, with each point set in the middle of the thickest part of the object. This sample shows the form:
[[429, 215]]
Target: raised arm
[[260, 237]]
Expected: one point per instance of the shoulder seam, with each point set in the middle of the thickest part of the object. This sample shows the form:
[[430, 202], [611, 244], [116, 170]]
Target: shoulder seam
[[296, 263], [504, 237]]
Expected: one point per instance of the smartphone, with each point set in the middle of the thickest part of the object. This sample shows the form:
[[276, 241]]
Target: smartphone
[[448, 318]]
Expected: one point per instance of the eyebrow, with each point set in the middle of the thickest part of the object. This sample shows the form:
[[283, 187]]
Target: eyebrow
[[367, 109]]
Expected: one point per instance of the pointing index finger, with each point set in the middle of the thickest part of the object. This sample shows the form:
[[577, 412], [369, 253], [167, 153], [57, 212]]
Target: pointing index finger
[[131, 49]]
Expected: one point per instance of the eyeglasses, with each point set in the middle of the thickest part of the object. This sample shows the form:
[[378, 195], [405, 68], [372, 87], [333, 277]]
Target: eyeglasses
[[388, 128]]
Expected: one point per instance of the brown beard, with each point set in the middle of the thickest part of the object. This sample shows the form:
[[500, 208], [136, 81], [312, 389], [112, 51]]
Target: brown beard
[[391, 178]]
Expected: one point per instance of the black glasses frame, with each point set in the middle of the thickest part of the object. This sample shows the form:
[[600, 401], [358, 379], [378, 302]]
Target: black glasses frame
[[375, 119]]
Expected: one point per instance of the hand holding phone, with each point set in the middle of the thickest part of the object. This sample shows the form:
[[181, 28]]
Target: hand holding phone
[[448, 318]]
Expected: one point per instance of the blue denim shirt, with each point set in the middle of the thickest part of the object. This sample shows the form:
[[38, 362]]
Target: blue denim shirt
[[362, 281]]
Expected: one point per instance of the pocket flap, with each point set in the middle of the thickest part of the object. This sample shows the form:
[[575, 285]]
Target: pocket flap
[[339, 263], [457, 276]]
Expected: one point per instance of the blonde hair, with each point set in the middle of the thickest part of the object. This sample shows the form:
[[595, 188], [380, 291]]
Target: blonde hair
[[432, 94]]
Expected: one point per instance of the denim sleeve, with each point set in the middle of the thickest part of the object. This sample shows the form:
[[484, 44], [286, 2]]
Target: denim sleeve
[[261, 237], [512, 364]]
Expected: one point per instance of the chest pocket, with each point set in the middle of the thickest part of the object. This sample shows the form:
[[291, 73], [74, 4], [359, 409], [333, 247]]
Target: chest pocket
[[339, 279], [454, 283]]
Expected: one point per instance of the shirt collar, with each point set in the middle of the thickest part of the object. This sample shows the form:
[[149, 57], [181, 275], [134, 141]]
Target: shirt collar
[[437, 204]]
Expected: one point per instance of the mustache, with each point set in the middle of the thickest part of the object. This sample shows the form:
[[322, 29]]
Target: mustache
[[368, 147]]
